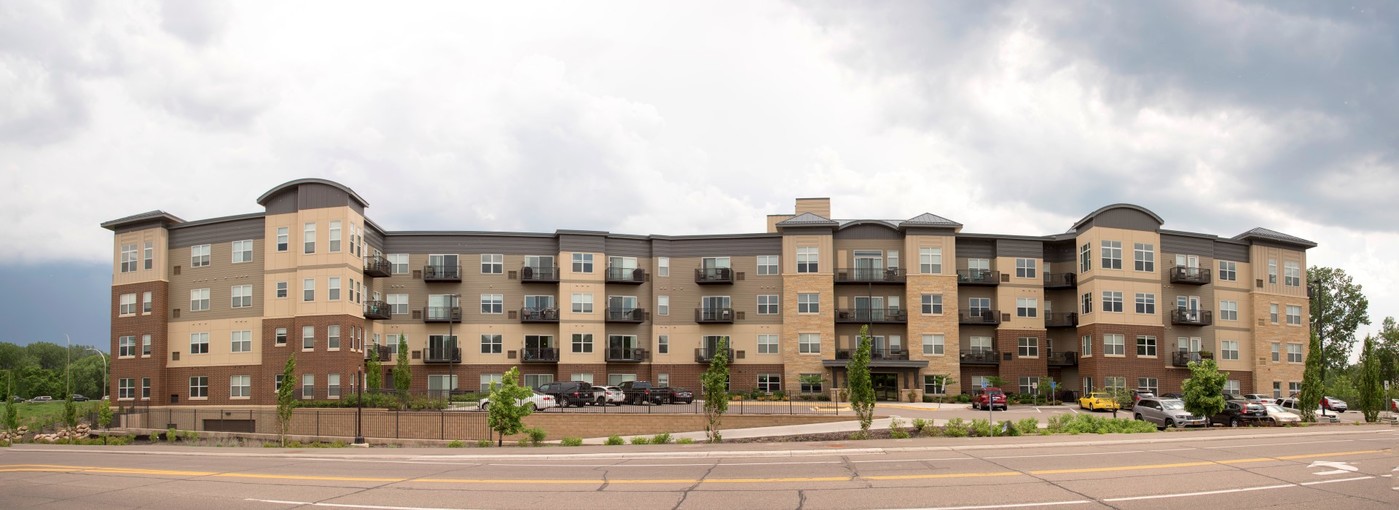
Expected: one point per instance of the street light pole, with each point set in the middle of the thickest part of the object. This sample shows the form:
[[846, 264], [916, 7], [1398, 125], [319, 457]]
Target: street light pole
[[359, 406], [104, 369]]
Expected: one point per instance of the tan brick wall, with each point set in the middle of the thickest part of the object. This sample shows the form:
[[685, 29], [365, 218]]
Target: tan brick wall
[[949, 363], [795, 324]]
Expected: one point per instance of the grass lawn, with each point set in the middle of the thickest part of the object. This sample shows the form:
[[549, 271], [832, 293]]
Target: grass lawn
[[34, 415]]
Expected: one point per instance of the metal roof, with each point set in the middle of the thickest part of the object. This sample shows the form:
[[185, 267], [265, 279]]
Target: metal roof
[[1273, 235]]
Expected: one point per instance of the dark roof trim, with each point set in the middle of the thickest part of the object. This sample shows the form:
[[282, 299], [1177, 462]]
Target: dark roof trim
[[212, 221], [844, 224], [262, 200], [763, 235], [807, 220], [1106, 208], [1264, 234], [929, 220], [150, 216]]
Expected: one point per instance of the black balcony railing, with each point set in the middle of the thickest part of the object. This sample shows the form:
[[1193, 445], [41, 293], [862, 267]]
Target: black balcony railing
[[871, 275], [714, 275], [714, 315], [442, 354], [539, 355], [1061, 320], [377, 310], [441, 273], [1063, 359], [630, 275], [1188, 317], [539, 315], [972, 318], [1060, 280], [978, 277], [377, 266], [626, 354], [539, 274], [382, 351], [872, 315], [703, 355], [1190, 275], [1183, 358], [632, 315], [884, 353], [442, 314], [981, 358]]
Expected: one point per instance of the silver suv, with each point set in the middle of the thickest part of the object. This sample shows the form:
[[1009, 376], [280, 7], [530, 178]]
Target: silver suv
[[1165, 412]]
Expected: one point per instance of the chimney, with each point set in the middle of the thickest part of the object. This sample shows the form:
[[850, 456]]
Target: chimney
[[818, 206]]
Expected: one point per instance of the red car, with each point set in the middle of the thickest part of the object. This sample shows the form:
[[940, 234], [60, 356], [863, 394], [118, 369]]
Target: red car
[[989, 398]]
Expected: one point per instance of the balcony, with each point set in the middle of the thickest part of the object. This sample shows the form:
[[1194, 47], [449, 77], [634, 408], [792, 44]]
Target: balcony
[[442, 355], [1190, 275], [1060, 280], [978, 277], [377, 266], [979, 318], [626, 275], [714, 315], [539, 315], [539, 355], [444, 273], [442, 314], [897, 354], [703, 355], [714, 276], [626, 355], [1183, 358], [382, 351], [1061, 320], [532, 274], [871, 275], [1063, 359], [377, 310], [1187, 317], [872, 316], [981, 358], [626, 315]]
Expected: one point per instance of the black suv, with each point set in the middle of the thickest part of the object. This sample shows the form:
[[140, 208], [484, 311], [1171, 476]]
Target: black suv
[[569, 393], [1240, 412]]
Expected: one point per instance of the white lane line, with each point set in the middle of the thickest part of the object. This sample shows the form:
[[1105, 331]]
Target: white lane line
[[1172, 450], [1319, 482], [1015, 505], [1061, 455], [339, 505], [889, 461], [1277, 444], [670, 465], [1202, 493]]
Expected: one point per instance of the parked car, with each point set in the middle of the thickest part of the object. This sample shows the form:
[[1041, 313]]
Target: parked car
[[1394, 405], [536, 402], [1176, 396], [1165, 412], [79, 398], [17, 399], [1279, 416], [642, 392], [682, 396], [1259, 398], [1333, 404], [41, 399], [1097, 400], [989, 398], [569, 393], [610, 395], [1141, 393], [1238, 413]]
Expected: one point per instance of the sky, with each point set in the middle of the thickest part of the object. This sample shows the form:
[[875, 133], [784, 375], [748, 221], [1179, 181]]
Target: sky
[[692, 118]]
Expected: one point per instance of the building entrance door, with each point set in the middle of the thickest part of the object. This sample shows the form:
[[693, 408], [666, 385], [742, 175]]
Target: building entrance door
[[886, 386]]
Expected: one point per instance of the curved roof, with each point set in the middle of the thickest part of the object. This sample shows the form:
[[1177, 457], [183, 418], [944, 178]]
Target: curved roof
[[289, 185], [1107, 208]]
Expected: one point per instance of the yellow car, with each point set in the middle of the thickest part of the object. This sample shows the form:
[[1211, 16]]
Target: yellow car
[[1097, 400]]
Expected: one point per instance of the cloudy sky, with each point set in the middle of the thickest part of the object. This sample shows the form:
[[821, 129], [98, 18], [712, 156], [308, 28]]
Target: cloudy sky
[[660, 117]]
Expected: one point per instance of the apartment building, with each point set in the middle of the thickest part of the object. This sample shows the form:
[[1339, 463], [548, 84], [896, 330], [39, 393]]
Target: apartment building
[[208, 311]]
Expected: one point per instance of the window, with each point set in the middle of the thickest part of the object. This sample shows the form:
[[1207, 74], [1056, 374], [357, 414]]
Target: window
[[930, 260], [662, 305], [1228, 270], [1112, 301], [146, 346], [1144, 256], [1294, 387], [587, 378], [537, 380], [810, 383], [128, 258], [146, 303], [126, 347], [398, 304], [241, 341], [1149, 384], [1113, 345], [309, 236], [807, 259], [1085, 258], [935, 384], [126, 389], [243, 251], [663, 266], [1026, 307], [1291, 274], [198, 300], [1294, 353], [490, 344], [768, 383], [981, 344], [1114, 383], [767, 344], [308, 386], [332, 337], [663, 379], [582, 342], [808, 303], [1146, 303], [126, 304], [492, 303], [277, 383], [582, 262], [283, 238], [199, 386], [145, 388], [1229, 310], [1275, 350], [240, 386], [767, 264], [1112, 254], [1146, 346], [333, 288], [308, 338], [1028, 385], [981, 381], [1024, 268], [767, 304], [1229, 349], [149, 254], [809, 343], [281, 336], [1294, 315], [1086, 348], [663, 344], [1087, 302], [582, 303], [1231, 387], [492, 263], [398, 262], [198, 343], [489, 379], [332, 385], [308, 289], [281, 289], [242, 296], [1273, 312], [1272, 270], [978, 307], [932, 304], [199, 255], [1028, 346], [934, 345]]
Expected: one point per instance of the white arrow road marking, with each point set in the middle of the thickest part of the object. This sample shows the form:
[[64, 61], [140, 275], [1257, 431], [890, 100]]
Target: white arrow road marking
[[1338, 468]]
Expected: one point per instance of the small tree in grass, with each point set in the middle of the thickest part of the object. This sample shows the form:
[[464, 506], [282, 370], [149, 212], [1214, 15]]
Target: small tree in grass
[[1371, 388], [861, 388], [11, 412], [286, 400], [1204, 390], [402, 374], [104, 417], [507, 407], [70, 412], [714, 383]]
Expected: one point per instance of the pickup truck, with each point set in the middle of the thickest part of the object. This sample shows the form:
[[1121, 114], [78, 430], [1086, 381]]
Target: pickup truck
[[641, 392]]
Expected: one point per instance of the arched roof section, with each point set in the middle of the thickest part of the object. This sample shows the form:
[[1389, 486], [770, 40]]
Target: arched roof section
[[1128, 216], [293, 185]]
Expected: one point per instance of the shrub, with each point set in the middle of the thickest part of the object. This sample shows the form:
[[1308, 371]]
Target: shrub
[[964, 398], [685, 440], [483, 443], [535, 435], [171, 434], [1027, 426], [572, 441], [662, 438], [613, 440], [955, 428], [982, 428], [1089, 424], [456, 443], [920, 425], [640, 440]]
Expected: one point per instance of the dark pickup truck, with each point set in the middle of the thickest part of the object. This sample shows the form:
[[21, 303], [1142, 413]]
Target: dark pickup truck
[[641, 392]]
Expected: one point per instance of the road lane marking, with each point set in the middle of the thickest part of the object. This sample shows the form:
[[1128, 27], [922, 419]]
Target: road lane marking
[[1319, 482], [343, 505], [1201, 493], [1011, 505], [1060, 455]]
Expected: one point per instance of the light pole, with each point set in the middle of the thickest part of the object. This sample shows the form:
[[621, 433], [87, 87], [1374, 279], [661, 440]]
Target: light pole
[[359, 405], [104, 370]]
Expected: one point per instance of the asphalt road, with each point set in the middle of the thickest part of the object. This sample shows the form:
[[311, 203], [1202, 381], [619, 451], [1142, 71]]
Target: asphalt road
[[1336, 467]]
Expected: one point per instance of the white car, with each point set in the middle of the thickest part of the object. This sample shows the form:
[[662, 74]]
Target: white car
[[536, 402], [612, 395], [1280, 416]]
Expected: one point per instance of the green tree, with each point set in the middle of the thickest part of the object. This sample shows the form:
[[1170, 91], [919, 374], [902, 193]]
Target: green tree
[[1338, 308], [373, 370], [402, 374], [507, 407], [70, 412], [714, 384], [1203, 392], [1387, 352], [861, 388], [286, 400], [1371, 388], [1311, 380], [1124, 398], [11, 411]]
